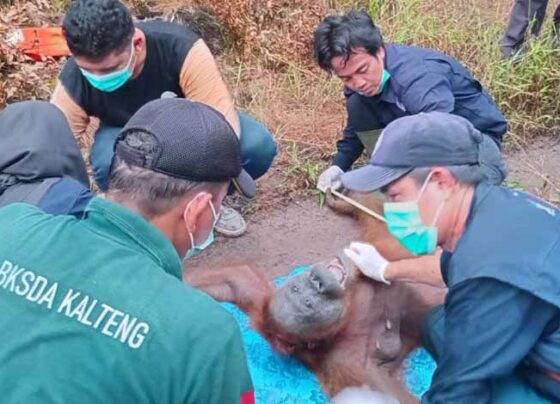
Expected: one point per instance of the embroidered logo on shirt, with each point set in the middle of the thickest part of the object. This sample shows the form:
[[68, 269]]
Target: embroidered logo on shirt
[[538, 203], [105, 319]]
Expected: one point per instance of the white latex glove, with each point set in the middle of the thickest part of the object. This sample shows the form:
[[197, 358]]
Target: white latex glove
[[368, 260], [330, 179]]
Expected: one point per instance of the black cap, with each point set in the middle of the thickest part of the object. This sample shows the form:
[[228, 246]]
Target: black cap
[[195, 143], [422, 140]]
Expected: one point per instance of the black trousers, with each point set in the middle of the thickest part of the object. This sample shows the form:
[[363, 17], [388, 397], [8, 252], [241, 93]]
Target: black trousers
[[524, 13]]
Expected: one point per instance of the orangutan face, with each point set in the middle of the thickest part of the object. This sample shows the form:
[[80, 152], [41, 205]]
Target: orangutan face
[[312, 300]]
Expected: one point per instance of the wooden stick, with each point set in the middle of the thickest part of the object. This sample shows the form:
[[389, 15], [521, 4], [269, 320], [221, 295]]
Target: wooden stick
[[358, 205]]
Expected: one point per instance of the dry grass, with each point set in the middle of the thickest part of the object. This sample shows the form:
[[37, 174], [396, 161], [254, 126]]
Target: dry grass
[[268, 66], [304, 111], [528, 92]]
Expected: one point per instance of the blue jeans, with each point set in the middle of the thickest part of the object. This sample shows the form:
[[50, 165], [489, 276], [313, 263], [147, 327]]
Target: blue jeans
[[258, 149], [505, 390]]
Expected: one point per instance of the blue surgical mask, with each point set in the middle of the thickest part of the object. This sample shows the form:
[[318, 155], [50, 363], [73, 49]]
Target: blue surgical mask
[[195, 249], [405, 224], [111, 81]]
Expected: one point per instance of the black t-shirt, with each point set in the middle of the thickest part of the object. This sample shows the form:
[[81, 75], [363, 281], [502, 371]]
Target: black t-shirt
[[167, 47]]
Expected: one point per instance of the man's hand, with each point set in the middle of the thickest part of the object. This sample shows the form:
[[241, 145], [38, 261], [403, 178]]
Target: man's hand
[[368, 260], [330, 179]]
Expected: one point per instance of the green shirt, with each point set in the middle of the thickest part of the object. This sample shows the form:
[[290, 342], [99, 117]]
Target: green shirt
[[94, 311]]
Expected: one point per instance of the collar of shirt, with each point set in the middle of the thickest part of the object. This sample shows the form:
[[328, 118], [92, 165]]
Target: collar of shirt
[[128, 227], [389, 94], [480, 192]]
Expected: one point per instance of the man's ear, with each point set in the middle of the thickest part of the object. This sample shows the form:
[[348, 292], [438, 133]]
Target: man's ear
[[137, 40], [194, 208], [444, 179], [381, 53]]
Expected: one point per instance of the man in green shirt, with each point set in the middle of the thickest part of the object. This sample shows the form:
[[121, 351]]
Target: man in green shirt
[[94, 310]]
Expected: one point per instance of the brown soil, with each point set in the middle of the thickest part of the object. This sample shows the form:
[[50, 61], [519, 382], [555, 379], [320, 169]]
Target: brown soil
[[281, 239], [536, 167]]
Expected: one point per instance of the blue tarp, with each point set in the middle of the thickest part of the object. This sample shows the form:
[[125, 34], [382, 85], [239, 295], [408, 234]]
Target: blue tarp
[[280, 379]]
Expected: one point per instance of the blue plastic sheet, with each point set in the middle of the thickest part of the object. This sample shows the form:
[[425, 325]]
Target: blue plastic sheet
[[281, 379]]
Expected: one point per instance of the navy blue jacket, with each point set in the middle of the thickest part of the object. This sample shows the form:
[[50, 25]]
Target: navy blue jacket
[[66, 197], [40, 161], [502, 311], [422, 80]]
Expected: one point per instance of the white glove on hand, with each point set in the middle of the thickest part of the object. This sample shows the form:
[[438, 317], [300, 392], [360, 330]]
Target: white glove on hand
[[330, 179], [368, 260]]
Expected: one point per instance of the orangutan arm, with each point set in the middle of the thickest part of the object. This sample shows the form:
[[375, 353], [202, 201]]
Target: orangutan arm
[[206, 280], [425, 269], [238, 284]]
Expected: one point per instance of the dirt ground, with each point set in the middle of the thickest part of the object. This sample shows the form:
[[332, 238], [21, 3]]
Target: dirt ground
[[536, 167], [279, 240], [301, 232]]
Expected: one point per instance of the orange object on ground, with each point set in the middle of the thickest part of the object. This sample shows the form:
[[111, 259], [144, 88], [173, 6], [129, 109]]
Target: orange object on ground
[[41, 42]]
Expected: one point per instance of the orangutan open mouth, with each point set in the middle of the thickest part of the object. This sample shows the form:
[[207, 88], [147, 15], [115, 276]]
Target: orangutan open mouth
[[339, 272]]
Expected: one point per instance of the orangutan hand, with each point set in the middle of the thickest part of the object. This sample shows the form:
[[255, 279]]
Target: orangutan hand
[[368, 260]]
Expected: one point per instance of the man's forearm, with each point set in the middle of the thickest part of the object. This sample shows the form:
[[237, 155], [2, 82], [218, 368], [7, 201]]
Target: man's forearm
[[349, 148], [425, 269]]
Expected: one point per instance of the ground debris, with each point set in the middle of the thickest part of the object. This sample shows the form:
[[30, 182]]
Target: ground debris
[[21, 78]]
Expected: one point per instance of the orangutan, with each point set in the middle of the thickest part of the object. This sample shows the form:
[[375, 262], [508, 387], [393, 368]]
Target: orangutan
[[347, 329]]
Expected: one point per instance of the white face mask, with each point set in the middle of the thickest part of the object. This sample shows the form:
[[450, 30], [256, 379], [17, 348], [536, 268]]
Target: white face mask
[[194, 250]]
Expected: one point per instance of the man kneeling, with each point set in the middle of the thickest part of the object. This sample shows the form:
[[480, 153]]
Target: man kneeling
[[94, 310], [497, 337]]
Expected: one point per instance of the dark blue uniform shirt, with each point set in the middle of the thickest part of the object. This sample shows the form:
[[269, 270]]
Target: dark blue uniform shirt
[[66, 197], [502, 309], [422, 80]]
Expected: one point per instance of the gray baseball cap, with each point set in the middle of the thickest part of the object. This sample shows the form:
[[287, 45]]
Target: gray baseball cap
[[422, 140]]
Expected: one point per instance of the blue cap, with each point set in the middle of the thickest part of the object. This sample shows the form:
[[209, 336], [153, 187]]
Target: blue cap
[[422, 140]]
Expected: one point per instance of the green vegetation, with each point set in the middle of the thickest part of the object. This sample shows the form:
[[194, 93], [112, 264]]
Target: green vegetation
[[527, 89]]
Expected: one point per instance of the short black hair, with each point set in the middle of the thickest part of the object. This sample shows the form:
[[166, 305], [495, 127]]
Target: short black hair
[[95, 28], [340, 35]]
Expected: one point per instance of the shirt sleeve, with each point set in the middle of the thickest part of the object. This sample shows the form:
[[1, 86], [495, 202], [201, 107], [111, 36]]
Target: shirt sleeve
[[201, 81], [489, 329], [429, 92], [349, 148], [77, 118]]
